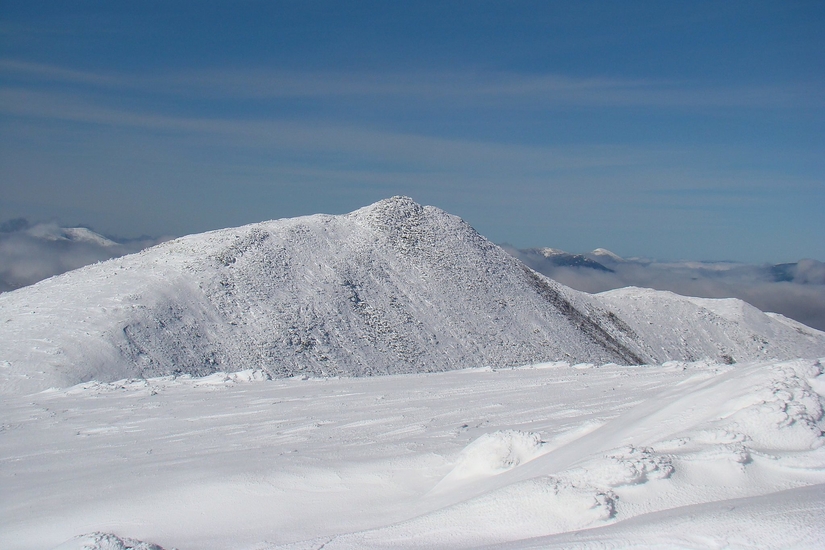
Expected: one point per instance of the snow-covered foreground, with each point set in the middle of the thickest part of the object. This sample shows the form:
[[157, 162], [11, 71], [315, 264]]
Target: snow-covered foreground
[[684, 454]]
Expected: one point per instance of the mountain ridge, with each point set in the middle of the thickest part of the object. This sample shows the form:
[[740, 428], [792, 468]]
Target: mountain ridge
[[393, 287]]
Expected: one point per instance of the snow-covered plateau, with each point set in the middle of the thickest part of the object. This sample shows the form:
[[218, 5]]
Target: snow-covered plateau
[[690, 455], [220, 391]]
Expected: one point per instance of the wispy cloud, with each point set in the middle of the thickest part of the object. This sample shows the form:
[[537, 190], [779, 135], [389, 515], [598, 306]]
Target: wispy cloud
[[492, 88], [28, 93], [315, 135], [462, 88], [51, 73], [475, 143]]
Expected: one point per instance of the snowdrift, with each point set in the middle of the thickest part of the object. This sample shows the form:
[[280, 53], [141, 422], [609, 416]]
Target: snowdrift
[[395, 287], [681, 455]]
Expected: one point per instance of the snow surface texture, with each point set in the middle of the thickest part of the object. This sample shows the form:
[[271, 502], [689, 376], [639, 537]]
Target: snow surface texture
[[395, 287], [687, 455]]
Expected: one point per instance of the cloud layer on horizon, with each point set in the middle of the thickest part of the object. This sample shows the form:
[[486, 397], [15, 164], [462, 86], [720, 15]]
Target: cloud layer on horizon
[[32, 252], [796, 290]]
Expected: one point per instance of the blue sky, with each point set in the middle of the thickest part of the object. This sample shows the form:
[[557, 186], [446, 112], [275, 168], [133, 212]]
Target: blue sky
[[662, 129]]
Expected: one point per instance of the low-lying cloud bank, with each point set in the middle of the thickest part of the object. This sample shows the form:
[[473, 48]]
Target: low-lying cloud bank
[[796, 290], [32, 252]]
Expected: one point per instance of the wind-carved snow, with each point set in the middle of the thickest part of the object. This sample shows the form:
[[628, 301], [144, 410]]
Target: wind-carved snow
[[683, 454], [492, 454], [395, 287]]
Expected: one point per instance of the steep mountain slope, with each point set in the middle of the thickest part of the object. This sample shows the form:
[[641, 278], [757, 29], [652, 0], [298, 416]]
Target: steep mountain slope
[[671, 326], [394, 287]]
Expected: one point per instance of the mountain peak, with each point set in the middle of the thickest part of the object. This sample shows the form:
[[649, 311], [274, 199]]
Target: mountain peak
[[394, 287], [401, 203], [548, 252], [603, 252], [393, 212], [83, 234], [411, 228]]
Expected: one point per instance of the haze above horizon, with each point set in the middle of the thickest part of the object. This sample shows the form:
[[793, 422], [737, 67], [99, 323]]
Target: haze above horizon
[[668, 130]]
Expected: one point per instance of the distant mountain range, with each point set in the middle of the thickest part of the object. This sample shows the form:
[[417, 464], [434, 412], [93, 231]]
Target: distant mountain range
[[391, 288], [600, 259], [556, 258], [32, 252], [796, 289]]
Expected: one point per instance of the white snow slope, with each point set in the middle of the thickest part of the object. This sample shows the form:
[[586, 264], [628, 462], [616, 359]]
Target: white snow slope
[[681, 455], [391, 288]]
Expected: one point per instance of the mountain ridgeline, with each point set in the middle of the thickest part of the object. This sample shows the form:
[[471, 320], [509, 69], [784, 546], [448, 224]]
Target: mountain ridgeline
[[394, 287]]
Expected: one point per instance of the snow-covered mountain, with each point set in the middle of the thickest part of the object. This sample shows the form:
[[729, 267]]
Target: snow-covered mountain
[[537, 258], [796, 290], [673, 326], [605, 254], [394, 287], [71, 234]]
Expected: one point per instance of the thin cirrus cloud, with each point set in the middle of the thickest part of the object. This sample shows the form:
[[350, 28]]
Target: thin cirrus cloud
[[318, 136], [15, 68], [45, 92], [478, 87], [387, 142], [596, 155], [491, 88]]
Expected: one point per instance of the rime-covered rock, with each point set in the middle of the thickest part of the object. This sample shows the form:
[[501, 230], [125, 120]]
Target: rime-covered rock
[[394, 287]]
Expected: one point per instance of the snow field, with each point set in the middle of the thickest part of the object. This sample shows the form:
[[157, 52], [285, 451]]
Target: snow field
[[691, 455]]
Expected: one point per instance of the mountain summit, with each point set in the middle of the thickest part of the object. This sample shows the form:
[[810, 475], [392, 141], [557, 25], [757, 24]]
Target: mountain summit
[[394, 287]]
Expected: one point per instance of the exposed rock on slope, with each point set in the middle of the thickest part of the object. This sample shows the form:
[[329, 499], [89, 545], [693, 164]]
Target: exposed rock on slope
[[670, 326], [394, 287]]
